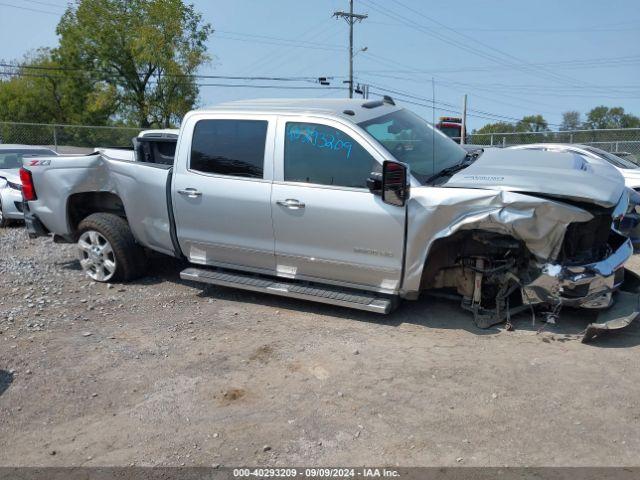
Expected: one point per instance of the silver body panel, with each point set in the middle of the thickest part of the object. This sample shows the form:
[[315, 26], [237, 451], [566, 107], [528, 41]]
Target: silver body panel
[[140, 186], [342, 236]]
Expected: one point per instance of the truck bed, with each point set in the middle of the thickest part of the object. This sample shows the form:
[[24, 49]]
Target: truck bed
[[137, 190]]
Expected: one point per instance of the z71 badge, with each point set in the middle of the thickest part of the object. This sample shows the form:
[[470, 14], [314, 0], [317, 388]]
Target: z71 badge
[[38, 163]]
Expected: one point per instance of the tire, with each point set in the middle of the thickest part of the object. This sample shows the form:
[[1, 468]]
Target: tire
[[108, 252]]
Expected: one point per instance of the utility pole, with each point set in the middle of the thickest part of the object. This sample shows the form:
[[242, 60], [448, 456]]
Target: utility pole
[[463, 130], [350, 18]]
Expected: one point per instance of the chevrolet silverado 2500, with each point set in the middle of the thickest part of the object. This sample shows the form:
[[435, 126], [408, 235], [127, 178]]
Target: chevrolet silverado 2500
[[348, 202]]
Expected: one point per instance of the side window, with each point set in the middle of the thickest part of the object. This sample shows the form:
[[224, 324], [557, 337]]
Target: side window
[[229, 147], [320, 154]]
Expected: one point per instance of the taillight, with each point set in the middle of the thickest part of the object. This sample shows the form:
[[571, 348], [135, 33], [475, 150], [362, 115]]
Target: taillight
[[28, 190]]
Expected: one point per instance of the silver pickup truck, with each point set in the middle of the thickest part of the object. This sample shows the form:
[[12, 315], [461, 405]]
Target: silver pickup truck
[[348, 202]]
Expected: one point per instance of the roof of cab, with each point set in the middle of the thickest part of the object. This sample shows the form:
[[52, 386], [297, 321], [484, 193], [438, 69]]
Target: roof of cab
[[354, 110]]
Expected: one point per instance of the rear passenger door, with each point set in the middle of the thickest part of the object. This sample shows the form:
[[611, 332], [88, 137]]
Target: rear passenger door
[[328, 225], [221, 193]]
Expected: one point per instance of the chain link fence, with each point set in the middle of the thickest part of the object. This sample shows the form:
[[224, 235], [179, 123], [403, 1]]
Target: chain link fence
[[65, 137], [624, 140]]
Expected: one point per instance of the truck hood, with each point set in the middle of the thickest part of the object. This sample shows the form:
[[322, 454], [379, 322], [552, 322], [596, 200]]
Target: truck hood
[[562, 175]]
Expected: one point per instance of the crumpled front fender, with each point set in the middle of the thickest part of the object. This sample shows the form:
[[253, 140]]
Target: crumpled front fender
[[435, 213]]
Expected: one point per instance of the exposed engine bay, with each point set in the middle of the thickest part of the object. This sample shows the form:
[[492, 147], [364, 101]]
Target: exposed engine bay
[[495, 276]]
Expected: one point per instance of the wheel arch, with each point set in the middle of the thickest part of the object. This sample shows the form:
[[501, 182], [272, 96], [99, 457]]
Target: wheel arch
[[81, 205]]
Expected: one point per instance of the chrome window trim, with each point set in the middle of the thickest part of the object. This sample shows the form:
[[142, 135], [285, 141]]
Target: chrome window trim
[[322, 186]]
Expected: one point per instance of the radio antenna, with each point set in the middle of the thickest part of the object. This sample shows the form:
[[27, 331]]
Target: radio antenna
[[433, 124]]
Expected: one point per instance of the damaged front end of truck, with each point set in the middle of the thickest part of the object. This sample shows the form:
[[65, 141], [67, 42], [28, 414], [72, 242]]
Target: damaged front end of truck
[[509, 251]]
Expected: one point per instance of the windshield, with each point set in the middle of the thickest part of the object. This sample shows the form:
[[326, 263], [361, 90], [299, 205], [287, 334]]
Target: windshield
[[611, 158], [415, 142], [12, 159]]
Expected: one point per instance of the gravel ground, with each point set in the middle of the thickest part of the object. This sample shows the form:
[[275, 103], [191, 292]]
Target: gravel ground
[[164, 372]]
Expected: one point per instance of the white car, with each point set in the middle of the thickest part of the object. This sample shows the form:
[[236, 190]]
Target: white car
[[10, 185], [629, 170]]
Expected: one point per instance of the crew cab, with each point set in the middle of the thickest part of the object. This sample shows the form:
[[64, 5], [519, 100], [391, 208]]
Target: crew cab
[[348, 202]]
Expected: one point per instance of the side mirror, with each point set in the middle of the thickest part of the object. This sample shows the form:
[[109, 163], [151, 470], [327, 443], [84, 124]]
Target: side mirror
[[395, 183]]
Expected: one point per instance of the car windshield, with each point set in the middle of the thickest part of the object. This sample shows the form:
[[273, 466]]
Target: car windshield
[[415, 142], [611, 158], [12, 158]]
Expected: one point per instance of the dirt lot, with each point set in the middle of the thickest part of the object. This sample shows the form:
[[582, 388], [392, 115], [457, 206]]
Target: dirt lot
[[162, 372]]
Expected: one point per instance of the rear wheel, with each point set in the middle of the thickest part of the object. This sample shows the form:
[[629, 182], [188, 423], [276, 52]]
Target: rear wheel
[[108, 252]]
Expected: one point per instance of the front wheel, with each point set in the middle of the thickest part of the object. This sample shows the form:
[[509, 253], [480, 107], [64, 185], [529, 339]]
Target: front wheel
[[108, 252]]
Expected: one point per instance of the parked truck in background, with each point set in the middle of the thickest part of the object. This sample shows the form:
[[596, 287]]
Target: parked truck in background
[[348, 202], [451, 127]]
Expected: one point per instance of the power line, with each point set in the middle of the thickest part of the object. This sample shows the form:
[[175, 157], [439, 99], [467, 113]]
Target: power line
[[445, 82], [301, 43], [591, 29], [281, 87], [281, 54], [31, 9], [521, 88], [484, 53], [571, 64], [559, 77], [47, 4], [430, 103], [197, 76], [230, 85]]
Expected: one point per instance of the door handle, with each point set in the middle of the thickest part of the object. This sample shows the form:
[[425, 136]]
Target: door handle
[[291, 203], [190, 192]]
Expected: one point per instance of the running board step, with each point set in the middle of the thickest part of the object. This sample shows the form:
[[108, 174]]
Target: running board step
[[343, 297]]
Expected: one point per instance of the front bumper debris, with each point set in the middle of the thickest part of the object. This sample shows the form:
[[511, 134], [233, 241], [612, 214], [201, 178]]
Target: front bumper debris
[[584, 286], [624, 311]]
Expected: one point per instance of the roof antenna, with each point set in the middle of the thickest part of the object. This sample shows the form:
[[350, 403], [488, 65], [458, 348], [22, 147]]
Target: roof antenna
[[433, 124]]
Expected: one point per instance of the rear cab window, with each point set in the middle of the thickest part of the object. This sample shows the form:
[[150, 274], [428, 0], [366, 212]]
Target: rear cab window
[[232, 147]]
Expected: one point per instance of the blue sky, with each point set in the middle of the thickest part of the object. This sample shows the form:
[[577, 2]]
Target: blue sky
[[511, 57]]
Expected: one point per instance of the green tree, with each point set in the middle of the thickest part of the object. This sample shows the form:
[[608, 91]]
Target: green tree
[[41, 92], [570, 120], [603, 117], [146, 50], [497, 127], [532, 123]]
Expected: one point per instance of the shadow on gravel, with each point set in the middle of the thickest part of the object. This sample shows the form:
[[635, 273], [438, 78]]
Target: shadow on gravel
[[433, 313], [428, 312], [6, 379], [73, 265]]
